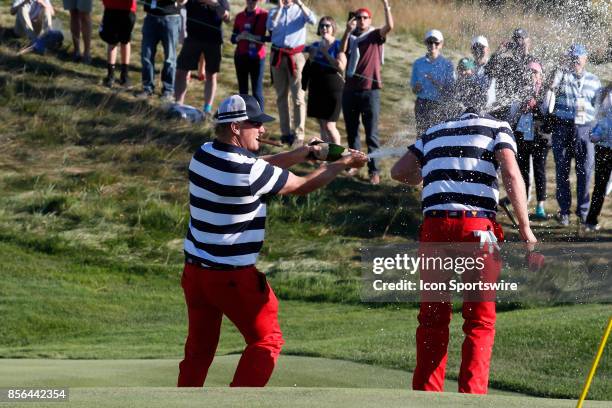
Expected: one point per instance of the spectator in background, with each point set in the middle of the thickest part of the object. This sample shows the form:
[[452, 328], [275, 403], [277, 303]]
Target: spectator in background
[[508, 66], [574, 114], [287, 24], [250, 57], [465, 93], [602, 135], [204, 36], [531, 140], [486, 85], [117, 25], [33, 17], [432, 80], [161, 24], [363, 45], [326, 80], [182, 36], [80, 24]]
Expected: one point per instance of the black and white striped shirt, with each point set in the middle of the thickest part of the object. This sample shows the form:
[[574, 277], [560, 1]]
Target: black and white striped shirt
[[458, 162], [228, 187]]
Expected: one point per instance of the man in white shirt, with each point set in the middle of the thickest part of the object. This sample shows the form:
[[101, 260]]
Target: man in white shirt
[[486, 85], [33, 17]]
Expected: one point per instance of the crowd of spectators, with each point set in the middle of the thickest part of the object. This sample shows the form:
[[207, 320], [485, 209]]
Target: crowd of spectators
[[566, 110]]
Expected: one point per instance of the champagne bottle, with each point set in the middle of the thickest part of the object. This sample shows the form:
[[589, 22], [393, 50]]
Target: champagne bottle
[[329, 151]]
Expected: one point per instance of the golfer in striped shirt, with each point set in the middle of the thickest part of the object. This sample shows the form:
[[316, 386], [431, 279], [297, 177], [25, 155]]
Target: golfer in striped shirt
[[457, 163], [228, 190]]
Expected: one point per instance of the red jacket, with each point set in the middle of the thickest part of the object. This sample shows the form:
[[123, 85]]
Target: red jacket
[[255, 23]]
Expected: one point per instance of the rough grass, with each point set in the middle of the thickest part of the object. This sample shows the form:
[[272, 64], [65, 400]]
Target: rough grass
[[92, 170]]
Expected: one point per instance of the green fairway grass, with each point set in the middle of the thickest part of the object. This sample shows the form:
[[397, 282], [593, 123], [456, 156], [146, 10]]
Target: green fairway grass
[[291, 371], [120, 383], [295, 397]]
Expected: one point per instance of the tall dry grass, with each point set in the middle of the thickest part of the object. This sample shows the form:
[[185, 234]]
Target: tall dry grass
[[552, 29]]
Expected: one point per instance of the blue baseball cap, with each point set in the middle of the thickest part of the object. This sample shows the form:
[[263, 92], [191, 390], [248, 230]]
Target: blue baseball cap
[[577, 50]]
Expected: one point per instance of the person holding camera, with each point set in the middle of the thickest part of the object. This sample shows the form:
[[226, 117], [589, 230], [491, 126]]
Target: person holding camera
[[287, 24], [363, 45], [574, 116], [533, 139], [509, 67]]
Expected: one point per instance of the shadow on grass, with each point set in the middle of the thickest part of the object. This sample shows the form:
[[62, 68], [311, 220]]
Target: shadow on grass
[[356, 208], [376, 211], [48, 66]]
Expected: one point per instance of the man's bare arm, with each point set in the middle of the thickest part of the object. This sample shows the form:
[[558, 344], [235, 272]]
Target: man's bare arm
[[515, 188], [297, 185], [407, 170], [389, 24], [350, 26], [285, 160]]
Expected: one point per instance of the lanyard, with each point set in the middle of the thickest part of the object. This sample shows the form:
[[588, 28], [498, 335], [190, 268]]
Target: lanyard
[[580, 84]]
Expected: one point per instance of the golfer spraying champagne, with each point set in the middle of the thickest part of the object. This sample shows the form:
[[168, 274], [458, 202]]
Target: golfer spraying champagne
[[228, 190], [457, 163]]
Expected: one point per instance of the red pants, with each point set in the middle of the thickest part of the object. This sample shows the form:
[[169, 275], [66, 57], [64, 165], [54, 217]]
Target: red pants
[[432, 334], [244, 296]]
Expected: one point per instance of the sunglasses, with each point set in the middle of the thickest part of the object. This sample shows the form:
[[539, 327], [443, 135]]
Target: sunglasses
[[362, 17], [434, 42], [254, 124], [325, 25]]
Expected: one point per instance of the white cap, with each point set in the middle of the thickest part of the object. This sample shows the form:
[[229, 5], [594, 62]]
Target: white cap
[[232, 109], [238, 108], [480, 39], [434, 34]]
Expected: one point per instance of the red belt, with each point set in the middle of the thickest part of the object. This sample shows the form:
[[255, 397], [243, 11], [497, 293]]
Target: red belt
[[459, 214]]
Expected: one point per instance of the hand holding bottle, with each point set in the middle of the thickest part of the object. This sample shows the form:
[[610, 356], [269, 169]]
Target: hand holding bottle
[[320, 150], [354, 159]]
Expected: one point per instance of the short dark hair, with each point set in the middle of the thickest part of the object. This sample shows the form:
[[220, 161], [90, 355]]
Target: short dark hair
[[331, 21], [221, 129]]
